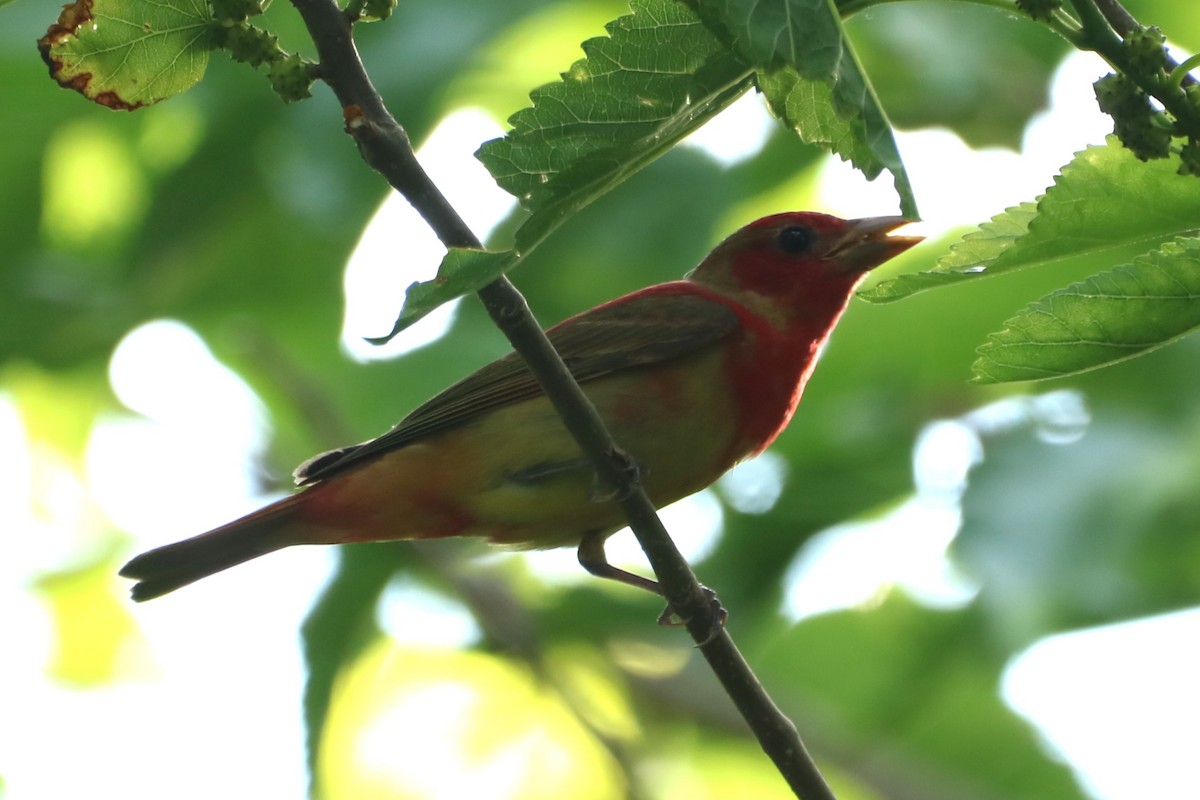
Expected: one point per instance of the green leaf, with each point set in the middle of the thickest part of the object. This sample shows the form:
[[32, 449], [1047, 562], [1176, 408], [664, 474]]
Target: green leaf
[[461, 272], [339, 626], [1105, 205], [905, 48], [658, 77], [1063, 532], [803, 34], [125, 54], [813, 81], [966, 259], [922, 681], [1109, 317], [845, 117]]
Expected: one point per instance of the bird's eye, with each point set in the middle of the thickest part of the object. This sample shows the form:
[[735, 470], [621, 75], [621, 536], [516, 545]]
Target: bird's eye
[[796, 239]]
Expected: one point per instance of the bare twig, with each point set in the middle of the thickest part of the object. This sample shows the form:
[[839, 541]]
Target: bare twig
[[384, 144]]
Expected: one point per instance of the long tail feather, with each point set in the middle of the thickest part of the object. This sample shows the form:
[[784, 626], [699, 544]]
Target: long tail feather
[[167, 568]]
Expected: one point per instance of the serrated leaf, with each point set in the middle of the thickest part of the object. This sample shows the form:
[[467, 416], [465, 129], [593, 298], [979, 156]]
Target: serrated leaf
[[845, 117], [1104, 205], [803, 34], [657, 77], [1107, 318], [813, 80], [125, 54], [966, 259]]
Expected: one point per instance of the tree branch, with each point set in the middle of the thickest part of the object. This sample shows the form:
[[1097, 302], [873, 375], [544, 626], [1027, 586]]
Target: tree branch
[[1098, 16], [1121, 20], [384, 145]]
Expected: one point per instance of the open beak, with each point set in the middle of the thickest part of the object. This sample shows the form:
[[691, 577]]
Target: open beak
[[866, 244]]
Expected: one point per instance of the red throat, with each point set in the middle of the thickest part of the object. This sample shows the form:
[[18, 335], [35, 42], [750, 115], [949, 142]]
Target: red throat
[[804, 289], [770, 368]]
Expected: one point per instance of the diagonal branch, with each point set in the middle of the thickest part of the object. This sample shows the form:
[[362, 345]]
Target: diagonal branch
[[384, 145], [1121, 20], [1122, 23]]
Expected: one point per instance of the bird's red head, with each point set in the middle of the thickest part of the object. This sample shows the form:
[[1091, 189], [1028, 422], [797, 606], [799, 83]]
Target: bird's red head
[[801, 255]]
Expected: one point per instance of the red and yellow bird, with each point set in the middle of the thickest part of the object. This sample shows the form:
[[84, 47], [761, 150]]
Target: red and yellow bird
[[691, 376]]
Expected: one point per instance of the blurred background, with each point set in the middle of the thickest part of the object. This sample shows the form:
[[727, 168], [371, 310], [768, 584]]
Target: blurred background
[[956, 591]]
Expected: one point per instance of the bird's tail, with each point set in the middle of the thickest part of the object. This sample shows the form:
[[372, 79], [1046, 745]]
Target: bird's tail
[[167, 568]]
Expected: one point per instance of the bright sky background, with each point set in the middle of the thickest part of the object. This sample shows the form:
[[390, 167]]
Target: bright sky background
[[56, 742]]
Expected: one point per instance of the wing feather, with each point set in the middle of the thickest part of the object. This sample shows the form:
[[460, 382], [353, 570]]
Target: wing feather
[[677, 320]]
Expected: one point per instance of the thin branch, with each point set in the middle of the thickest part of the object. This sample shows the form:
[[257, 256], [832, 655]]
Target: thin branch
[[384, 145], [1121, 20], [1102, 16], [1124, 23]]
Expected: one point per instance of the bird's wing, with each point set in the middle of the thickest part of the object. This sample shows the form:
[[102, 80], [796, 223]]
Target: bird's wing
[[630, 332]]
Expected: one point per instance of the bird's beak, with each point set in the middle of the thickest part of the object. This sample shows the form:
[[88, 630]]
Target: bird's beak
[[866, 244]]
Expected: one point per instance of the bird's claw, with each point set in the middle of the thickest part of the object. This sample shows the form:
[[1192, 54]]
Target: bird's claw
[[717, 617], [602, 491]]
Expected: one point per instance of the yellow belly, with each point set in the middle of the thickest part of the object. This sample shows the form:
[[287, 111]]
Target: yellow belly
[[515, 476]]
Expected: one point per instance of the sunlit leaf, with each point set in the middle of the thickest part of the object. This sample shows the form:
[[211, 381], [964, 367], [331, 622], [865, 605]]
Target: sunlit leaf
[[531, 51], [94, 191], [965, 260], [1068, 532], [906, 47], [1177, 18], [595, 691], [729, 767], [658, 76], [125, 54], [812, 79], [461, 272], [1105, 205], [924, 682], [411, 723], [94, 629], [254, 264], [339, 627], [1109, 317]]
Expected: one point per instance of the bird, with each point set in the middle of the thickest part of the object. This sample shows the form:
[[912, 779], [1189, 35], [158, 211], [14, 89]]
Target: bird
[[692, 377]]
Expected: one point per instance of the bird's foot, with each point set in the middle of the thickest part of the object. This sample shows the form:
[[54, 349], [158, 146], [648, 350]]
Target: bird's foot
[[603, 491], [717, 616]]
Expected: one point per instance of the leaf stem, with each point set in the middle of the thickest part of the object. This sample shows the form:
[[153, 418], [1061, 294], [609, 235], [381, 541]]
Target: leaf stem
[[1180, 74], [385, 146], [1094, 29], [1102, 21]]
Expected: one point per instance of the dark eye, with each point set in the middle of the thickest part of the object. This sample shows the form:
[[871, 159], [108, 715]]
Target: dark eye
[[796, 240]]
